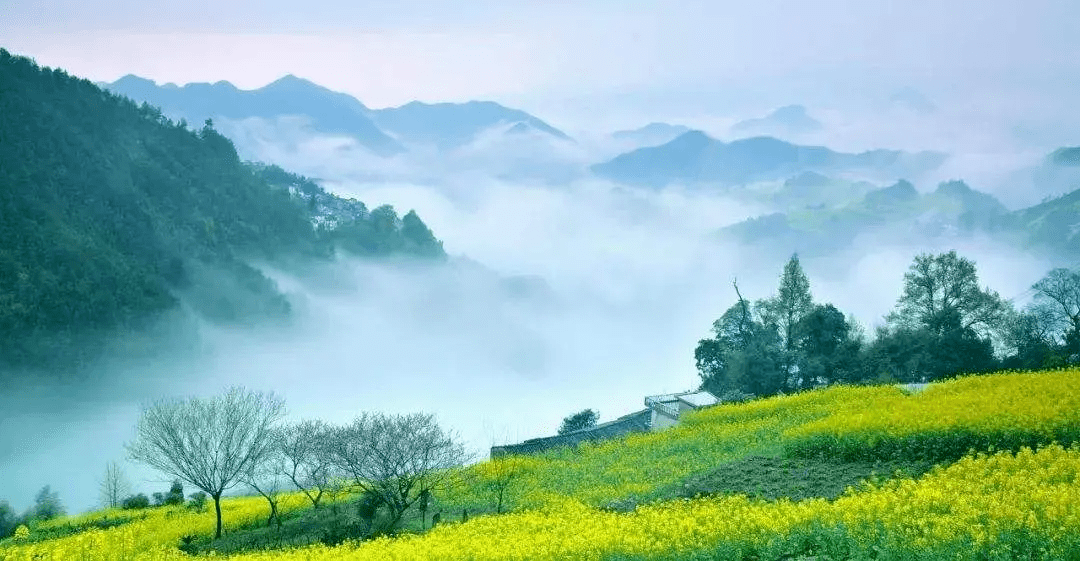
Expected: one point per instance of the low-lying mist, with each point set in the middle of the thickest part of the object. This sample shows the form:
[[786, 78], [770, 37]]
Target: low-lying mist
[[557, 298]]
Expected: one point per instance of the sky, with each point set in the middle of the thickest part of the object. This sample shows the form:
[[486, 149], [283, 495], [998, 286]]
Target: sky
[[635, 279], [553, 54]]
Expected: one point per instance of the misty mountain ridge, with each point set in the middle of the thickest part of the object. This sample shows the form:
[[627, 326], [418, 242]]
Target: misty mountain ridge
[[452, 125], [652, 134], [899, 214], [696, 158], [114, 215], [787, 120], [327, 111], [383, 131]]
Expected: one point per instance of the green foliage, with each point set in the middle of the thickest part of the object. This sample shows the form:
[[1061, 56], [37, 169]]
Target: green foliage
[[581, 420], [136, 502], [47, 505], [8, 520], [197, 501], [774, 478], [108, 210]]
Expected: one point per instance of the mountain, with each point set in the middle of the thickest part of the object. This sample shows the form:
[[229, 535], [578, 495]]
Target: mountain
[[790, 119], [694, 157], [810, 189], [1052, 176], [652, 134], [897, 213], [327, 111], [112, 215], [452, 125], [1053, 224], [1065, 157]]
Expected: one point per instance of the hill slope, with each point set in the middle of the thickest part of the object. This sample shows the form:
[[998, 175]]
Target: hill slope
[[111, 213], [1015, 503]]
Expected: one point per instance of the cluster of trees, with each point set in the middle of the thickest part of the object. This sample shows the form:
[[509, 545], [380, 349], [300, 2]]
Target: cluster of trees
[[46, 506], [397, 461], [109, 210], [944, 324]]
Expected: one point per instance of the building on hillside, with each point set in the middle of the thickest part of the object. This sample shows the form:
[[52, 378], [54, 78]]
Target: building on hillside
[[662, 411], [634, 422], [665, 409]]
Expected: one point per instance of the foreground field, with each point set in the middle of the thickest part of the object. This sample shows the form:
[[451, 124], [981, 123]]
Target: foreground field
[[1016, 503]]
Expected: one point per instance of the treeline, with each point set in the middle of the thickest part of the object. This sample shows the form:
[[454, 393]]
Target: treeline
[[110, 213], [944, 324]]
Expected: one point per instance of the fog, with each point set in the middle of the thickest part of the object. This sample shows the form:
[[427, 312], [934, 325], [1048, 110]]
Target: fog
[[557, 298], [563, 292]]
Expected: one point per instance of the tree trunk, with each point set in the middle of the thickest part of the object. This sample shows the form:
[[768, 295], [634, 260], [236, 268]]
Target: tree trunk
[[217, 508]]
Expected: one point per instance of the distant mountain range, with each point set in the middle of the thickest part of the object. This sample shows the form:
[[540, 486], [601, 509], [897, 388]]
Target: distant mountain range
[[652, 134], [694, 157], [790, 119], [326, 110], [900, 214], [451, 125], [382, 131]]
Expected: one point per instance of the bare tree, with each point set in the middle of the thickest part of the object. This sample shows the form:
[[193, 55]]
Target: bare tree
[[210, 443], [398, 458], [1059, 291], [266, 477], [306, 459], [114, 486]]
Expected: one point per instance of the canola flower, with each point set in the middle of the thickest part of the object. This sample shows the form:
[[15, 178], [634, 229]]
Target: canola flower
[[1003, 505], [945, 421]]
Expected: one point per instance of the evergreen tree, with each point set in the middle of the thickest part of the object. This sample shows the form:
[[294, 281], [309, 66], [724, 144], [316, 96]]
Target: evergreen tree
[[47, 505], [786, 311]]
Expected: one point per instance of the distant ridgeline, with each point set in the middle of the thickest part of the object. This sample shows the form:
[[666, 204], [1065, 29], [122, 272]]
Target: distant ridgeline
[[110, 214]]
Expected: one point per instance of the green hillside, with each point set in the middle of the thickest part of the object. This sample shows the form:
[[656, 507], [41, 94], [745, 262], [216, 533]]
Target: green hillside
[[751, 481], [111, 212]]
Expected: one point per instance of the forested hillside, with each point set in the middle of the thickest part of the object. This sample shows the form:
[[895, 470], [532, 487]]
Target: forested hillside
[[110, 213]]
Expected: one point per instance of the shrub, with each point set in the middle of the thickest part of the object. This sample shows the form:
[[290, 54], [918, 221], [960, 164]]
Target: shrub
[[135, 502]]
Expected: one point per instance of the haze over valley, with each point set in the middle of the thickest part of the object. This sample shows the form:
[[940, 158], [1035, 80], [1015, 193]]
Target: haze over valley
[[500, 232]]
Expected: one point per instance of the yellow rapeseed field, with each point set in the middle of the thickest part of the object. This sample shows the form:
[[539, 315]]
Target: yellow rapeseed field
[[1007, 504]]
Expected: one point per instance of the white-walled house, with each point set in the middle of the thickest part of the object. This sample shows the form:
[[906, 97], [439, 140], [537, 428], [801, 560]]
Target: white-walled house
[[667, 408]]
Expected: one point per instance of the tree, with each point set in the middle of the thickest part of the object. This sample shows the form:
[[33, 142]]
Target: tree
[[1031, 338], [419, 237], [786, 310], [1059, 290], [266, 476], [210, 443], [942, 293], [8, 520], [136, 502], [743, 355], [828, 350], [47, 505], [306, 460], [581, 420], [114, 486], [943, 323], [398, 458]]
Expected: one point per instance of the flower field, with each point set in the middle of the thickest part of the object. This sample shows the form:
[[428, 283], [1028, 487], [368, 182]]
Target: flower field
[[1019, 502]]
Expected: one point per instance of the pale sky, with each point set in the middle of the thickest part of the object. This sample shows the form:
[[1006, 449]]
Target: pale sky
[[388, 53]]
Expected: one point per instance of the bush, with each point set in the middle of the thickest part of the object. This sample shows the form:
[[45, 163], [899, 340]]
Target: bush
[[175, 496], [197, 501], [136, 502]]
